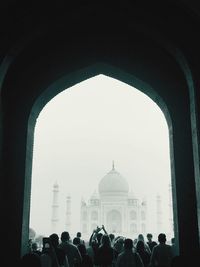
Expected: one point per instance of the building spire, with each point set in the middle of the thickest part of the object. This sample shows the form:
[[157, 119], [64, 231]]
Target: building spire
[[68, 213], [113, 165], [55, 208]]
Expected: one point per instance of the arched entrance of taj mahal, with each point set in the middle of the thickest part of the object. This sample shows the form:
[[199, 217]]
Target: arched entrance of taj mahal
[[114, 221]]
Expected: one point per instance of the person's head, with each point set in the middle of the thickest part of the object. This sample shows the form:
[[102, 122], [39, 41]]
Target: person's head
[[141, 237], [128, 243], [65, 236], [54, 239], [120, 240], [161, 238], [34, 246], [105, 240], [140, 246], [112, 236], [78, 234], [99, 236], [149, 236], [76, 241]]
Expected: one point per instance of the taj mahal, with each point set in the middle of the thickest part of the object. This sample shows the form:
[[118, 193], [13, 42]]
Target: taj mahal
[[113, 205]]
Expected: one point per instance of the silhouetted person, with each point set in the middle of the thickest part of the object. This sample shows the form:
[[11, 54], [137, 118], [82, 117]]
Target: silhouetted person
[[119, 244], [78, 235], [162, 254], [48, 256], [30, 245], [112, 239], [129, 258], [86, 259], [150, 242], [61, 256], [92, 249], [76, 241], [105, 254], [144, 255], [35, 249], [72, 252], [94, 242], [96, 236], [141, 238]]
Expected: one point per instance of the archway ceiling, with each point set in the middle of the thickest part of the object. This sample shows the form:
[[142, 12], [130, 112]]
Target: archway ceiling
[[173, 18]]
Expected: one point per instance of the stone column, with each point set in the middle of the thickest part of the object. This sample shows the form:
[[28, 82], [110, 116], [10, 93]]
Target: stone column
[[55, 209], [68, 213]]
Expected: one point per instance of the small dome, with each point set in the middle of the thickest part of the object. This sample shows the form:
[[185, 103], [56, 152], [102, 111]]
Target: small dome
[[94, 195], [113, 182]]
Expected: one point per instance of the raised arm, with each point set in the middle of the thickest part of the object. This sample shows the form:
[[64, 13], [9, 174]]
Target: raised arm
[[103, 228], [94, 235]]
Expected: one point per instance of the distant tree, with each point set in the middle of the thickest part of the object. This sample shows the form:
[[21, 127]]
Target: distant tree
[[32, 234], [38, 239]]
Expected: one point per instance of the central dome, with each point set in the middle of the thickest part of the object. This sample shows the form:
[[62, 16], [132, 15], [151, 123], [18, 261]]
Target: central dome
[[113, 182]]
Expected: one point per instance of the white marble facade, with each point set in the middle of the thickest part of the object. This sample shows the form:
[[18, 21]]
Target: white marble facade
[[115, 207]]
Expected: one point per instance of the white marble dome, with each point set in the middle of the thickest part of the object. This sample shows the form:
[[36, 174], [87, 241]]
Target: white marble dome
[[113, 182]]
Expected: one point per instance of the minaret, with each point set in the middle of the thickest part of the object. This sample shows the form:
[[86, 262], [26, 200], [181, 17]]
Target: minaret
[[159, 214], [55, 209], [68, 214], [144, 215]]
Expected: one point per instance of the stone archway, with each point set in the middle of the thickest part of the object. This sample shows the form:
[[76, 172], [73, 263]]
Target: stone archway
[[67, 81], [41, 81]]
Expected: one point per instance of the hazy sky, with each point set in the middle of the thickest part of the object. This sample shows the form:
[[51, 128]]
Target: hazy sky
[[81, 131]]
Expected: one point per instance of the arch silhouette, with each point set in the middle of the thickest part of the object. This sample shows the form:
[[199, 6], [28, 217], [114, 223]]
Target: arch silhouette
[[68, 81]]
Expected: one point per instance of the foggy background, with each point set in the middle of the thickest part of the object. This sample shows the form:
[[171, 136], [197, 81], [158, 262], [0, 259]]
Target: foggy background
[[77, 136]]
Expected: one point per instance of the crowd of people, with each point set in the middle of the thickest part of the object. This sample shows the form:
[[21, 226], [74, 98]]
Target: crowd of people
[[102, 250]]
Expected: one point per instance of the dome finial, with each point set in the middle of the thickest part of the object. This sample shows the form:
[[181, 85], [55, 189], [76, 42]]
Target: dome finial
[[113, 165]]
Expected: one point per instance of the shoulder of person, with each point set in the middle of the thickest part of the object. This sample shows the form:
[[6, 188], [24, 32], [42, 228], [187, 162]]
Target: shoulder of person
[[72, 246]]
